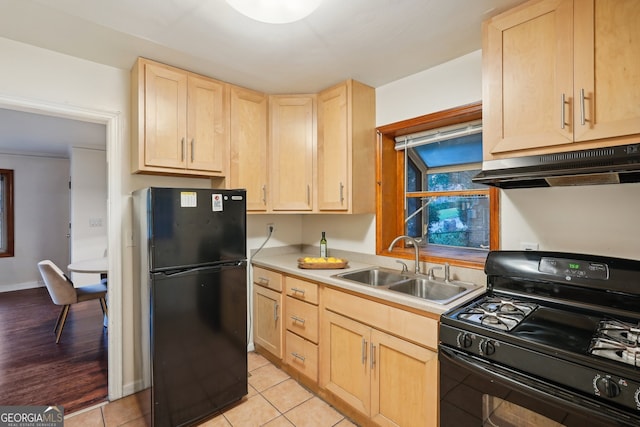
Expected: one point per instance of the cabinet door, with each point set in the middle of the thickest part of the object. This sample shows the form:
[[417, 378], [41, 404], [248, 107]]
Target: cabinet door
[[345, 369], [404, 383], [528, 77], [249, 146], [292, 152], [267, 310], [208, 123], [165, 117], [607, 64], [334, 148]]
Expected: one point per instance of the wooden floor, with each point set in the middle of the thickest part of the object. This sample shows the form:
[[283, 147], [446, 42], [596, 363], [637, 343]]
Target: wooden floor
[[34, 370]]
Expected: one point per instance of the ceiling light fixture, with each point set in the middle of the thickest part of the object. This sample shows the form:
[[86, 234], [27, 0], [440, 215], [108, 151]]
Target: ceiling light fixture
[[275, 11]]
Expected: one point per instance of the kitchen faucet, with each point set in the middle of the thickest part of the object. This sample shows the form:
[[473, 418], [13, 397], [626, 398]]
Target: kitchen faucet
[[415, 247]]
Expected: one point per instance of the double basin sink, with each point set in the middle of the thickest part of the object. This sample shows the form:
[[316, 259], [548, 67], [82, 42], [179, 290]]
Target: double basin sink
[[416, 285]]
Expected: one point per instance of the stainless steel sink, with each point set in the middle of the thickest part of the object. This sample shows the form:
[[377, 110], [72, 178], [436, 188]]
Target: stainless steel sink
[[376, 276], [414, 285], [433, 290]]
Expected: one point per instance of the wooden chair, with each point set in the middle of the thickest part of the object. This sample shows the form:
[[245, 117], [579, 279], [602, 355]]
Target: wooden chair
[[63, 292]]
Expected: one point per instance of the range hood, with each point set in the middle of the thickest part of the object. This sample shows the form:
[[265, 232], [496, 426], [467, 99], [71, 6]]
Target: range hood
[[610, 165]]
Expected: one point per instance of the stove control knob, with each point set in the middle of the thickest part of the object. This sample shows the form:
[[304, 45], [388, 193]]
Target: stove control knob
[[488, 347], [465, 340], [607, 387]]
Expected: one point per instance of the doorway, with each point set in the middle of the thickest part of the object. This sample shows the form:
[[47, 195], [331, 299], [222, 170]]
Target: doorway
[[115, 209]]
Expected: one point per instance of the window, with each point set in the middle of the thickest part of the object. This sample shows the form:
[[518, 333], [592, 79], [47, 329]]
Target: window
[[425, 188], [6, 213]]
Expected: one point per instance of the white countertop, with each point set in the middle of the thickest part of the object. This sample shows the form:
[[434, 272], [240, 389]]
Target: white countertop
[[288, 264]]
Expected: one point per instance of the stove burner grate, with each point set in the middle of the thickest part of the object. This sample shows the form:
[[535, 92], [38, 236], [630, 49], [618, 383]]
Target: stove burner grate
[[499, 313], [617, 341]]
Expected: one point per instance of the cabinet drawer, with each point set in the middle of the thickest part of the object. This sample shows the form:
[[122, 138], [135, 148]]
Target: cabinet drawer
[[301, 318], [302, 355], [301, 289], [267, 278]]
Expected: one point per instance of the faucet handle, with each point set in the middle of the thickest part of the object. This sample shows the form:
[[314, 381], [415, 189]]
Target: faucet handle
[[430, 274], [405, 269], [446, 272]]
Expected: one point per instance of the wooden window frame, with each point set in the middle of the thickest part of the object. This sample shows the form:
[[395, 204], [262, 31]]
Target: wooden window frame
[[7, 176], [390, 191]]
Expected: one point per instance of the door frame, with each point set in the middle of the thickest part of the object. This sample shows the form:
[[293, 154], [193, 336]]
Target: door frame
[[115, 212]]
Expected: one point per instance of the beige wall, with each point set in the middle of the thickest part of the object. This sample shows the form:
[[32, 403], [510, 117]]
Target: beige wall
[[41, 213], [88, 209]]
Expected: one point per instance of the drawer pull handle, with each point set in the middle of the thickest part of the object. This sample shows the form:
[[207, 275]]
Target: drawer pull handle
[[364, 351], [298, 319], [298, 291], [263, 280], [298, 356], [275, 312]]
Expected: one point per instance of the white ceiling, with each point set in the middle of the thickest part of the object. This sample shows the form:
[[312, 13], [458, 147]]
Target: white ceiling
[[373, 41]]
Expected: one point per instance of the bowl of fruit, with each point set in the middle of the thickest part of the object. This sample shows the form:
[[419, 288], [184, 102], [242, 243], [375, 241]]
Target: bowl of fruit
[[322, 262]]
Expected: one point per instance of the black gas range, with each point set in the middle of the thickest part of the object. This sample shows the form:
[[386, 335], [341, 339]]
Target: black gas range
[[555, 341]]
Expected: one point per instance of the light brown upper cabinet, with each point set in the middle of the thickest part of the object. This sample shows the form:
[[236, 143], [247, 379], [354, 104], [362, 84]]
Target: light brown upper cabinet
[[249, 146], [346, 148], [561, 75], [293, 142], [180, 122]]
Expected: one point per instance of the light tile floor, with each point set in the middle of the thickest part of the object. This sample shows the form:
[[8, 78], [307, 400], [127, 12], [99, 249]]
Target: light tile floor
[[274, 400]]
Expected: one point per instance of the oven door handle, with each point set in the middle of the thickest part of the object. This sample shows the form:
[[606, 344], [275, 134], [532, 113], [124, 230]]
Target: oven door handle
[[540, 389]]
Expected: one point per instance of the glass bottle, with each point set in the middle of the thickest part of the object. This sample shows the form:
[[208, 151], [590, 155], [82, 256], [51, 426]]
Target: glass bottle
[[323, 246]]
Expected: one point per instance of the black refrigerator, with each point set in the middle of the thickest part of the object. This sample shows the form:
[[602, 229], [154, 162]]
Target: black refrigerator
[[195, 252]]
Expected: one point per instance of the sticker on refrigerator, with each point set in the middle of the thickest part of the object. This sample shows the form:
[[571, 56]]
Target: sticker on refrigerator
[[216, 202], [188, 199]]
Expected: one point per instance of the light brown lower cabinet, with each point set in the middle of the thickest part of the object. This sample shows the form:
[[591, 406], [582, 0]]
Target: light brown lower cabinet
[[378, 359], [267, 319], [390, 380]]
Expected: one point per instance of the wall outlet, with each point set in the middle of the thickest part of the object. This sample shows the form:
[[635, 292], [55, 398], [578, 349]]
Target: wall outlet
[[271, 226], [528, 246]]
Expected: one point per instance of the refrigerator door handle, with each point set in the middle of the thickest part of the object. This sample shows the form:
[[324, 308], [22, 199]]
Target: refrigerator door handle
[[174, 273]]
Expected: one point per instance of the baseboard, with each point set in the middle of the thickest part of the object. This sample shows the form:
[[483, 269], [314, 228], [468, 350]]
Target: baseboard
[[133, 387], [20, 286]]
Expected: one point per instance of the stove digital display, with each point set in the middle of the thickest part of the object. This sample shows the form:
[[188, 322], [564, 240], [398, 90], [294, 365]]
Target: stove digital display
[[569, 268]]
